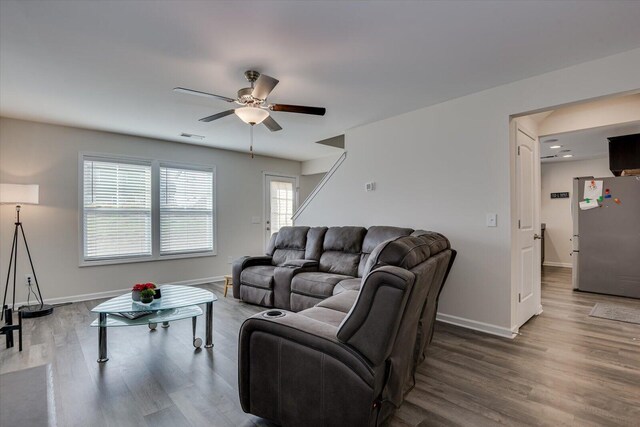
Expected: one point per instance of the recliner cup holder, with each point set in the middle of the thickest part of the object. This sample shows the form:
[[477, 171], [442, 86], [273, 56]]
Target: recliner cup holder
[[273, 314]]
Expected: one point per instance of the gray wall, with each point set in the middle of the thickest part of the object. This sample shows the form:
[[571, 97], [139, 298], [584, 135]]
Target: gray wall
[[37, 153], [307, 184]]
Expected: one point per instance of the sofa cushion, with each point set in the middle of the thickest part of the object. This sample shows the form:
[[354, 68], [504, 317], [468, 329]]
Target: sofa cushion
[[376, 235], [316, 284], [407, 252], [342, 246], [298, 302], [342, 302], [325, 315], [339, 263], [348, 285], [259, 276], [344, 239], [315, 240], [290, 244]]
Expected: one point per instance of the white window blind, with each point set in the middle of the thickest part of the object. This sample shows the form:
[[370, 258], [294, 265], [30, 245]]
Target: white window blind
[[186, 210], [116, 209], [281, 205]]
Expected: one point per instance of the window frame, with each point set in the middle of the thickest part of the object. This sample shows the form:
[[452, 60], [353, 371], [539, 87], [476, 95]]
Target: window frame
[[155, 209]]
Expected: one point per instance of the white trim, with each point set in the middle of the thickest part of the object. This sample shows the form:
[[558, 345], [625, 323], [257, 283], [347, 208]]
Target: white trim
[[557, 264], [117, 292], [487, 328]]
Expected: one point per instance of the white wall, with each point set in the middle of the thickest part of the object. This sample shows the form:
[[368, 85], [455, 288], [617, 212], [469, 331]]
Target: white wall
[[48, 155], [444, 167], [319, 165], [556, 213]]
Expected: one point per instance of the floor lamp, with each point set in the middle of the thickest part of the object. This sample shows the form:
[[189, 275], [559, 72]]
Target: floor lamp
[[18, 195]]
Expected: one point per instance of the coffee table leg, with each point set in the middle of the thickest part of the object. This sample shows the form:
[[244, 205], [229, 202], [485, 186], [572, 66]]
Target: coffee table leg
[[102, 338], [209, 325]]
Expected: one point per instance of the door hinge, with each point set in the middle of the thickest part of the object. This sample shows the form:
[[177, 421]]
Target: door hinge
[[518, 224], [519, 297], [518, 151]]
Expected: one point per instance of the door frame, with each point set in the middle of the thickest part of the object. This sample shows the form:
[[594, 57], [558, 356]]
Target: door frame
[[266, 174], [516, 125]]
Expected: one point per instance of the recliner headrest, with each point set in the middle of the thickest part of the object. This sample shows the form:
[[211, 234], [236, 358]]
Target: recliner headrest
[[292, 238], [407, 251]]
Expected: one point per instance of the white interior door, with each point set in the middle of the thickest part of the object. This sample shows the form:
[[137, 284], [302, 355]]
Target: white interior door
[[281, 201], [528, 202]]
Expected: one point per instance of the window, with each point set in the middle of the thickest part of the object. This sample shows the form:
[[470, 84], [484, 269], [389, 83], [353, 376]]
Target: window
[[143, 210], [116, 209], [281, 205], [186, 210]]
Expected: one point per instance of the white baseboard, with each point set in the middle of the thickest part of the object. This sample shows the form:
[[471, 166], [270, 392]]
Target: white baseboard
[[557, 264], [116, 292], [476, 326]]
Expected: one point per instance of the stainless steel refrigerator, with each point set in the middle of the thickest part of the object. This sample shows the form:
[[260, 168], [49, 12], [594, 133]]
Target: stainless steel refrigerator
[[606, 239]]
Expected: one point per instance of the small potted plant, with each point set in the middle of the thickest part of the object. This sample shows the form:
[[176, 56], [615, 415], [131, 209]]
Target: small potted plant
[[138, 288], [146, 295]]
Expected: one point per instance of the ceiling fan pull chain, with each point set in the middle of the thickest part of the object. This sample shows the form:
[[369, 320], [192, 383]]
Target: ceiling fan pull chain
[[251, 146]]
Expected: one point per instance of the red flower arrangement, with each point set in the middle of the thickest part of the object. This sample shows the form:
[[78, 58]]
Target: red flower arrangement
[[142, 286]]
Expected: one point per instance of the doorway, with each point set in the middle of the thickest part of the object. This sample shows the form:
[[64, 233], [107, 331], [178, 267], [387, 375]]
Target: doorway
[[565, 140], [281, 201]]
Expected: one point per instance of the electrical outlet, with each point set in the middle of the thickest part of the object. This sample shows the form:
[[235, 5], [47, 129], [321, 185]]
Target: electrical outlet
[[492, 220], [28, 280]]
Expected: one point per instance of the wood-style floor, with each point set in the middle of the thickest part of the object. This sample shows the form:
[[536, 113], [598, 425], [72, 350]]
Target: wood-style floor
[[565, 368]]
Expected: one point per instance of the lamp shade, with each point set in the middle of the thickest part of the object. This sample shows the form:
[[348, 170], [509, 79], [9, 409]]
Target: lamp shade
[[251, 115], [19, 194]]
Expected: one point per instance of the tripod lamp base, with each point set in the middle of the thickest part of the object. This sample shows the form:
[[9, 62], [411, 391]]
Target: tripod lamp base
[[35, 310]]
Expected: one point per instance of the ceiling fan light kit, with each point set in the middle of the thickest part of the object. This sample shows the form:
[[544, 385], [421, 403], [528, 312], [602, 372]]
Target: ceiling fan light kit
[[251, 115], [253, 101]]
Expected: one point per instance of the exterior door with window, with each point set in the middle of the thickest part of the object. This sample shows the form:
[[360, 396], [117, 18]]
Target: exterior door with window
[[281, 201]]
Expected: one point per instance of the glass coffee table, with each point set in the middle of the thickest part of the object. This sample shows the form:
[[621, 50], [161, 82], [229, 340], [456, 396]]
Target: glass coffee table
[[176, 303]]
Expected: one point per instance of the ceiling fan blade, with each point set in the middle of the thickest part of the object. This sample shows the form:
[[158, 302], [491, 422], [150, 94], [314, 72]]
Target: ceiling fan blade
[[271, 124], [316, 111], [205, 94], [217, 116], [263, 87]]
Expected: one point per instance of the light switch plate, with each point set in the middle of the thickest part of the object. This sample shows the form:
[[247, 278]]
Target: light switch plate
[[492, 220]]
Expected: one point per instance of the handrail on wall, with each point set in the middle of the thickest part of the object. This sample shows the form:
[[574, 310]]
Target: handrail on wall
[[318, 187]]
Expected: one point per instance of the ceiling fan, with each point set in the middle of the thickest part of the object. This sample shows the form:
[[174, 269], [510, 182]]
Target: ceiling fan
[[254, 108]]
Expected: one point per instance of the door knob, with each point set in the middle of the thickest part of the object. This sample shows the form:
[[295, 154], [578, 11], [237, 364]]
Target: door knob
[[536, 237]]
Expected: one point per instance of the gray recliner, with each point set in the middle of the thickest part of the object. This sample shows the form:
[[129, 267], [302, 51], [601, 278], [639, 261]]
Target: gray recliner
[[350, 359], [304, 266]]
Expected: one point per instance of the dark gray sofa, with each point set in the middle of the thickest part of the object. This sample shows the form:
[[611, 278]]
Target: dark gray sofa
[[304, 265], [350, 359]]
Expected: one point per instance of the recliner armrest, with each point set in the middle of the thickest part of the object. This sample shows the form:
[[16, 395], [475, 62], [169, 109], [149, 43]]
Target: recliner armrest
[[242, 263], [372, 324], [300, 263]]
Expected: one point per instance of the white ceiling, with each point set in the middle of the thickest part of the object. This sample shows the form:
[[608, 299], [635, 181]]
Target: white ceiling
[[111, 65], [585, 144]]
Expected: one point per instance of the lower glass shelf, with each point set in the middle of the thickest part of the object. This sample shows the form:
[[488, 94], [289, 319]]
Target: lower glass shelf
[[157, 317]]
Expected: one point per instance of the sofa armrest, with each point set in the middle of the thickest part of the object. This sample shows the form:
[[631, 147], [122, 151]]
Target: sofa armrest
[[300, 263], [273, 348], [242, 263], [372, 324], [283, 276]]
